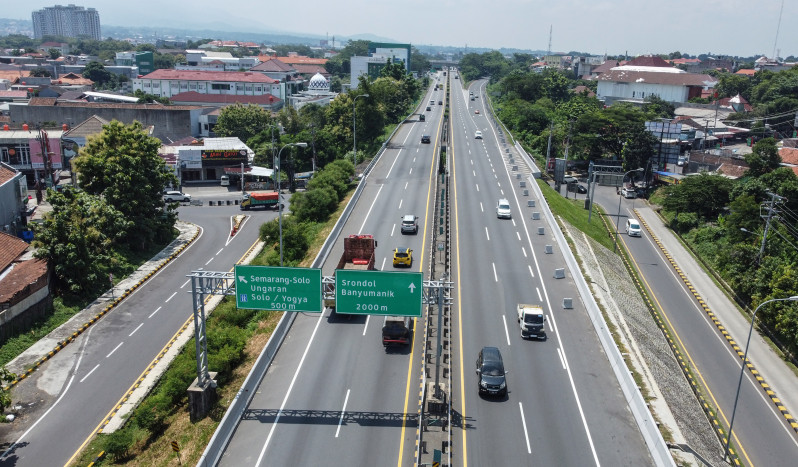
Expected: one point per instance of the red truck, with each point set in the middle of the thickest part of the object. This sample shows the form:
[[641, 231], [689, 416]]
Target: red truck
[[358, 254]]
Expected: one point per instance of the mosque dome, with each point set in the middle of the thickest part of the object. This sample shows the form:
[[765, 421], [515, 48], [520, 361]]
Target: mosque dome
[[318, 83]]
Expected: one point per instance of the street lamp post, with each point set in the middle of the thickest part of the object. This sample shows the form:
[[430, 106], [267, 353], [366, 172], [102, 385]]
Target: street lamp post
[[280, 193], [745, 359], [354, 130], [618, 218]]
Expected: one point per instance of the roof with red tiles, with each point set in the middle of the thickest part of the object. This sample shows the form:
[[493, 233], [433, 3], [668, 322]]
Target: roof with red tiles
[[653, 77], [193, 96], [294, 60], [274, 65], [6, 174], [649, 60], [14, 75], [10, 248], [13, 94], [580, 89], [605, 67], [229, 76], [732, 171], [26, 277], [684, 61], [73, 78], [309, 69], [746, 72], [789, 155]]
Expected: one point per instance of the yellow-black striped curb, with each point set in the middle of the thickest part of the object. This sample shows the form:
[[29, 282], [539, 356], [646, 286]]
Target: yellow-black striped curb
[[116, 301], [683, 364]]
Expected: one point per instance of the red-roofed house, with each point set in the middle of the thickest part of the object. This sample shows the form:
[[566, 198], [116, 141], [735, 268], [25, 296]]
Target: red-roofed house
[[167, 83], [746, 72], [789, 156], [267, 101], [24, 287]]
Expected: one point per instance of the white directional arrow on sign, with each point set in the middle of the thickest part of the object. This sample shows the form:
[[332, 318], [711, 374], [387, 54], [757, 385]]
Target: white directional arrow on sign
[[412, 287], [243, 279]]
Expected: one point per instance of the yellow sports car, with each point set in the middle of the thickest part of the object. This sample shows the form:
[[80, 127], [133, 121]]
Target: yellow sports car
[[402, 256]]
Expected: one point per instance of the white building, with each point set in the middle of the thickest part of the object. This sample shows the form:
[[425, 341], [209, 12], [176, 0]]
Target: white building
[[208, 60], [66, 21], [318, 92], [651, 76], [166, 83]]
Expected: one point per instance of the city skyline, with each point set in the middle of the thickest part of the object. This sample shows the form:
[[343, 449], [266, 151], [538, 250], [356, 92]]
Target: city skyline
[[732, 27]]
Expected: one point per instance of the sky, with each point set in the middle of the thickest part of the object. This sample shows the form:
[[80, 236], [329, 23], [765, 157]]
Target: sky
[[616, 27]]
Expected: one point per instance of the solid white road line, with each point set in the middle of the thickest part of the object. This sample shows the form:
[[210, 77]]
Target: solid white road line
[[562, 359], [343, 411], [526, 433]]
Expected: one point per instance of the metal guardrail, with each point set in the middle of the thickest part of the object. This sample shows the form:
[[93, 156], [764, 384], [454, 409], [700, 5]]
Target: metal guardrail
[[221, 437]]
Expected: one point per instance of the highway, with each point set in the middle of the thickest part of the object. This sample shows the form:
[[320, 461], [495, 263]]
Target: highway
[[564, 405], [760, 430], [333, 395], [73, 392]]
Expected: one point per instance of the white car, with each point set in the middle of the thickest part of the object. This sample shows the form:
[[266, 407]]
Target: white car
[[628, 192], [633, 228], [172, 196], [477, 134], [503, 209]]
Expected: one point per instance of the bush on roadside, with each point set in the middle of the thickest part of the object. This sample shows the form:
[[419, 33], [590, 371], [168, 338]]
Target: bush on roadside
[[315, 205], [117, 445]]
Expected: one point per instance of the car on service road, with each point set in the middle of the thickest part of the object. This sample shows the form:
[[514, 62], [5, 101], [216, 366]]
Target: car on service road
[[633, 228], [172, 196]]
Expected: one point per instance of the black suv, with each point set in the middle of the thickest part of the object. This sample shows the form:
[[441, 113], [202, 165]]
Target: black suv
[[490, 370], [425, 139]]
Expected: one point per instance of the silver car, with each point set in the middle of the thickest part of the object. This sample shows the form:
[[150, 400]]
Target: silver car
[[172, 196]]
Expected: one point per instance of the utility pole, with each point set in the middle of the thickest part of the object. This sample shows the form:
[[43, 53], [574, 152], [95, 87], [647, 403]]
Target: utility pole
[[548, 148], [773, 198], [567, 143]]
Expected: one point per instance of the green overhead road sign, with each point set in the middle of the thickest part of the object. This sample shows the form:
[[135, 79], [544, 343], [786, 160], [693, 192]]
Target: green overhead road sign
[[276, 288], [378, 292]]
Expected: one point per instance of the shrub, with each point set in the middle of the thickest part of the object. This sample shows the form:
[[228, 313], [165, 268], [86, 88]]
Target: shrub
[[118, 443]]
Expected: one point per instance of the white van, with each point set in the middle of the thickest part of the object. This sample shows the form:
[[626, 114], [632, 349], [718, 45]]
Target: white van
[[225, 180], [633, 228]]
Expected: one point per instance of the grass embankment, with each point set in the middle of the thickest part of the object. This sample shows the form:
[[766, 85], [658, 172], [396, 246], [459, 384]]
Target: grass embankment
[[573, 211], [235, 339]]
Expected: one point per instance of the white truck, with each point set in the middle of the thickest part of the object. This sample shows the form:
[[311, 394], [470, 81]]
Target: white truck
[[531, 319]]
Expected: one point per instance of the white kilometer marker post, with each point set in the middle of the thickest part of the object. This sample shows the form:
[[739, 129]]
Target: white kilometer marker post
[[343, 411]]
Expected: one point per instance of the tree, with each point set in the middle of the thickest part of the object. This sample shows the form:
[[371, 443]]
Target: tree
[[122, 164], [242, 121], [705, 195], [96, 72], [731, 84], [40, 73], [764, 158], [145, 98], [657, 107], [78, 238], [53, 53]]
